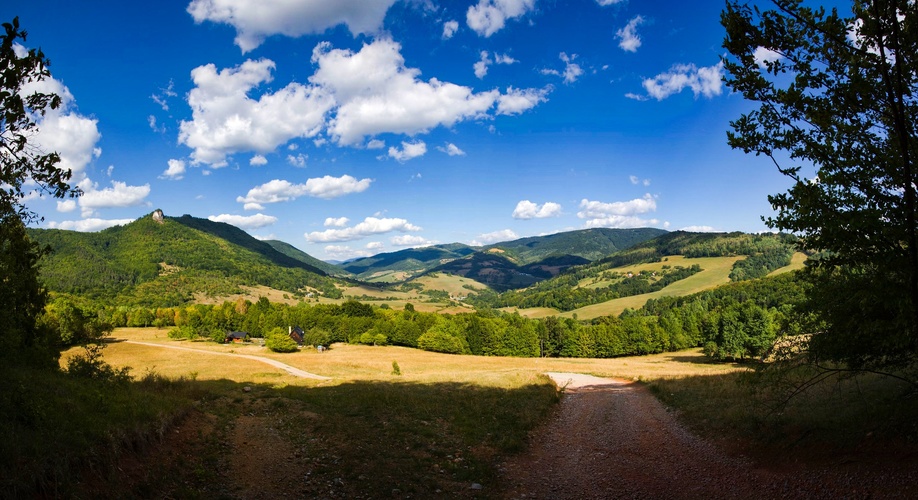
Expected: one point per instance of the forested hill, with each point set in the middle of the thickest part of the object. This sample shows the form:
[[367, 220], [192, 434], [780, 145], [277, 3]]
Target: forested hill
[[590, 244], [506, 258], [596, 282], [294, 252], [164, 263]]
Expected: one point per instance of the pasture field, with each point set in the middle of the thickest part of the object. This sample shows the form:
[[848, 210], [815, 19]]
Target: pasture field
[[797, 263]]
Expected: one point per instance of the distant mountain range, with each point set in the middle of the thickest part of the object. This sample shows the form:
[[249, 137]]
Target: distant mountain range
[[506, 265]]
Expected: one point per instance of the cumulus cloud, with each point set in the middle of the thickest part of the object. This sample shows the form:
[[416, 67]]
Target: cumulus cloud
[[409, 151], [258, 161], [245, 222], [66, 206], [481, 67], [528, 210], [225, 120], [118, 195], [376, 93], [255, 21], [494, 237], [71, 135], [451, 149], [409, 240], [637, 180], [699, 229], [764, 56], [490, 16], [629, 41], [89, 225], [336, 221], [571, 72], [327, 187], [705, 81], [298, 161], [176, 170], [518, 101], [376, 144], [344, 252], [449, 29], [370, 226], [619, 214]]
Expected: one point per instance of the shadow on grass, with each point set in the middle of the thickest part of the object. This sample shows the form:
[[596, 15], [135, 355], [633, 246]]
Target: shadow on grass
[[353, 439], [754, 412]]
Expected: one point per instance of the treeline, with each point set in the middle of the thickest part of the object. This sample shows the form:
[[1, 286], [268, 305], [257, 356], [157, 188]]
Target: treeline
[[736, 321], [565, 294]]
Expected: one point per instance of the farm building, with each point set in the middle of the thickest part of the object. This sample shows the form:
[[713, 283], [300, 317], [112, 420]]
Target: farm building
[[297, 334], [236, 337]]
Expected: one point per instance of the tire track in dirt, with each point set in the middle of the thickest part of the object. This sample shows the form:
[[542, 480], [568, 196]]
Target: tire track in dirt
[[612, 439], [277, 364]]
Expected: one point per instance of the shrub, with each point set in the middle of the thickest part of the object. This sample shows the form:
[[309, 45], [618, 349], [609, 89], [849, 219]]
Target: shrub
[[183, 332], [437, 340], [279, 341]]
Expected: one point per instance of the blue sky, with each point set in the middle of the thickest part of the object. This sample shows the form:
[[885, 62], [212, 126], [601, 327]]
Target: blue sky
[[355, 127]]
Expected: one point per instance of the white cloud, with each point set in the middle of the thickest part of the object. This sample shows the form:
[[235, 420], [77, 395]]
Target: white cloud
[[377, 94], [151, 121], [517, 101], [494, 237], [375, 245], [637, 180], [408, 240], [225, 120], [298, 161], [175, 171], [66, 206], [253, 206], [369, 227], [481, 67], [606, 3], [489, 16], [763, 56], [89, 225], [72, 136], [336, 221], [258, 161], [619, 214], [327, 187], [245, 222], [571, 72], [705, 81], [344, 252], [699, 229], [409, 151], [255, 21], [450, 149], [162, 99], [528, 210], [118, 195], [376, 144], [449, 29], [629, 40]]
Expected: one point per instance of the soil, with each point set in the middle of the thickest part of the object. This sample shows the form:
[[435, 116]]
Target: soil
[[612, 439]]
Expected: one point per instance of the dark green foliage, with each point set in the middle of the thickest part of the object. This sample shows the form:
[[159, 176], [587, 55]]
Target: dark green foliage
[[587, 244], [295, 253], [278, 340], [836, 114], [71, 323], [164, 264], [442, 338], [758, 265], [22, 297]]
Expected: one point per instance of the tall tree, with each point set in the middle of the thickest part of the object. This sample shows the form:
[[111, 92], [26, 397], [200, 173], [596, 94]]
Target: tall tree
[[837, 113], [23, 167]]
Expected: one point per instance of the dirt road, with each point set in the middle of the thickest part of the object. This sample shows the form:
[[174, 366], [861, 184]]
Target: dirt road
[[612, 439]]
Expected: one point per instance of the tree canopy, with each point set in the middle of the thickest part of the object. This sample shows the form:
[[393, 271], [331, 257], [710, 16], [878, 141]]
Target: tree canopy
[[836, 113]]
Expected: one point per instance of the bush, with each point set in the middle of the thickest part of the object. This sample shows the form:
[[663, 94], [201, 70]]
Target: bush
[[437, 340], [279, 341], [317, 337], [183, 332]]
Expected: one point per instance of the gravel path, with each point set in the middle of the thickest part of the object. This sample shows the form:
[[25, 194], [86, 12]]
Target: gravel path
[[277, 364], [612, 439]]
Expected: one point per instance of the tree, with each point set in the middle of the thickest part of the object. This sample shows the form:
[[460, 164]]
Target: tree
[[837, 114], [24, 165]]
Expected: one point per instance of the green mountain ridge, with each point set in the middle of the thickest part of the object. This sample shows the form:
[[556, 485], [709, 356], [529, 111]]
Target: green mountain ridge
[[165, 263]]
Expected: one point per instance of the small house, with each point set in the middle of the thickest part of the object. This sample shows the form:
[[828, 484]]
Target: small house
[[236, 337], [297, 334]]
